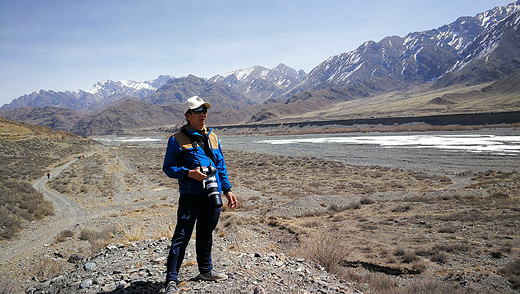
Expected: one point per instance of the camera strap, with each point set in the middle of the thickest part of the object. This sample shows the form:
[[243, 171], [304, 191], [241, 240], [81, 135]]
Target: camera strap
[[202, 141]]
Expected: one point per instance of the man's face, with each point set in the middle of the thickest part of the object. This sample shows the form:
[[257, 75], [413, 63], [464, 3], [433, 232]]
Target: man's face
[[197, 117]]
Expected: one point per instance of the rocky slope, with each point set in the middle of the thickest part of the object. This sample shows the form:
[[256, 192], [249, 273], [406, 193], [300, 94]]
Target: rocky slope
[[138, 267]]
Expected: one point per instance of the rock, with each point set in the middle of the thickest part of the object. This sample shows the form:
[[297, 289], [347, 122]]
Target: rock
[[58, 254], [89, 266], [86, 283], [75, 258], [111, 247]]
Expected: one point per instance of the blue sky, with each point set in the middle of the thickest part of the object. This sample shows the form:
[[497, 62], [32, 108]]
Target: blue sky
[[69, 45]]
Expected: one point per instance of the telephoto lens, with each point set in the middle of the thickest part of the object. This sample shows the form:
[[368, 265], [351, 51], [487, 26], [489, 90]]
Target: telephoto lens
[[210, 185]]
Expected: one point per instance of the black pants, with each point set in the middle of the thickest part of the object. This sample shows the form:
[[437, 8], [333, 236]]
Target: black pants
[[192, 209]]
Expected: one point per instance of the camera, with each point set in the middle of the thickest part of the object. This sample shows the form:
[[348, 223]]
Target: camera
[[210, 185]]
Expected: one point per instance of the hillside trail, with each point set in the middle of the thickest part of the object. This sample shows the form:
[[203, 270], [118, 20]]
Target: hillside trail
[[67, 215]]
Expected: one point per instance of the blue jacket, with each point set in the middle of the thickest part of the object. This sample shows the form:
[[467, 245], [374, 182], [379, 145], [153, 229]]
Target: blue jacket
[[182, 156]]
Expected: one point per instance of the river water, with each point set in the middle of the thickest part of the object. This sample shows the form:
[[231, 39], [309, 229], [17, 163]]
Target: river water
[[433, 152]]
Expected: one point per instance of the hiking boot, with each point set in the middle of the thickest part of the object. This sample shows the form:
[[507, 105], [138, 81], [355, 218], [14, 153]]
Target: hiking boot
[[171, 288], [213, 276]]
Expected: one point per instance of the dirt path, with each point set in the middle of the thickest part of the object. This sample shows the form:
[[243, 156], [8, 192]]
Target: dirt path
[[67, 215]]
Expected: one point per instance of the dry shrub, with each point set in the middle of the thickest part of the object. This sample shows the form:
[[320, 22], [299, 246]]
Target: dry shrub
[[511, 271], [63, 236], [132, 233], [437, 253], [336, 208], [419, 265], [98, 239], [20, 202], [163, 232], [326, 249], [430, 286], [379, 283], [10, 224], [89, 235], [283, 171], [8, 286], [447, 230], [452, 248], [499, 195], [402, 208], [439, 257], [407, 256], [47, 267], [311, 224], [355, 205], [366, 201]]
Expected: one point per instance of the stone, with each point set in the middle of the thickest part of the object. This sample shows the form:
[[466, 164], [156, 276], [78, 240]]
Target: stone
[[89, 266], [75, 258], [86, 283]]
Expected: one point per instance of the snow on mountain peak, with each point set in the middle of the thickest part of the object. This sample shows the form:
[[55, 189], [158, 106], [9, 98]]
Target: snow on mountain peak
[[127, 87]]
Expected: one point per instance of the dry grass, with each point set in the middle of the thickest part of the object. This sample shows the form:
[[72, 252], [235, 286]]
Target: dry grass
[[99, 239], [418, 243], [511, 271], [8, 286], [415, 235], [281, 175], [64, 235], [47, 266], [326, 249], [454, 230], [132, 233], [26, 152]]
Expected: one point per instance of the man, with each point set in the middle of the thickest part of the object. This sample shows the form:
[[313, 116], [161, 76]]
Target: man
[[188, 155]]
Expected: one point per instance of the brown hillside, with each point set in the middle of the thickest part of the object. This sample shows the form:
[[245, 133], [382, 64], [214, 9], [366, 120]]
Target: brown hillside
[[26, 153]]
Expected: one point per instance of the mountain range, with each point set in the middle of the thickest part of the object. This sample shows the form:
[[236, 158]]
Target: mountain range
[[397, 75]]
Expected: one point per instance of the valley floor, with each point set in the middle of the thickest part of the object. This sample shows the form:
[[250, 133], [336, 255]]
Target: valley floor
[[379, 229]]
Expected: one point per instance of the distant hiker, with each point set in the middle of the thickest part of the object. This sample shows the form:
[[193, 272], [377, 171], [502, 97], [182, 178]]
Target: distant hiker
[[194, 158], [48, 175]]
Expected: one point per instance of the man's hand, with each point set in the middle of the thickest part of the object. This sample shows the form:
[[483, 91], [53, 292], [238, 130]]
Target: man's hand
[[196, 174], [232, 201]]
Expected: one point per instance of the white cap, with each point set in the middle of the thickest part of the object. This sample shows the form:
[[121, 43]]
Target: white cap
[[194, 103]]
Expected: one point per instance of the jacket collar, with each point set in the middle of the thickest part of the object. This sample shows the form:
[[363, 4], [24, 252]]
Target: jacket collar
[[206, 131]]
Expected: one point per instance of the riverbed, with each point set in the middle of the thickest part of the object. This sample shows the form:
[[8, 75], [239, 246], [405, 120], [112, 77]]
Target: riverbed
[[434, 152]]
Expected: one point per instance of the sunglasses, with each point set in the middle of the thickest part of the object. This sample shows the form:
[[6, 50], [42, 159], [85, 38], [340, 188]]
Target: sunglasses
[[199, 110]]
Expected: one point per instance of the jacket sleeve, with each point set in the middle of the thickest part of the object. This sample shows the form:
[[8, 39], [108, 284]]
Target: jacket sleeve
[[222, 171], [172, 166]]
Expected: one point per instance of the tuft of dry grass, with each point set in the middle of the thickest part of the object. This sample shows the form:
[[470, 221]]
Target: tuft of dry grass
[[132, 233], [47, 266], [98, 239], [8, 286], [511, 271], [326, 249], [64, 235]]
